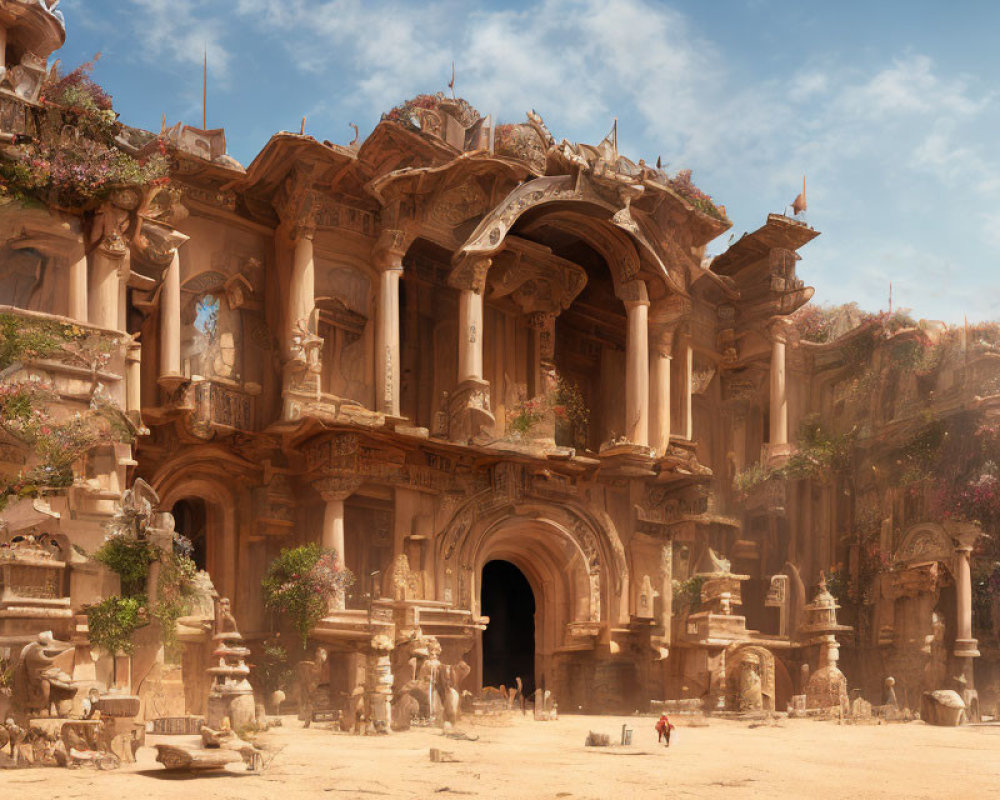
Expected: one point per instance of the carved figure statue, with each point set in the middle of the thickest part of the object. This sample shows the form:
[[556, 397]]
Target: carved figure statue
[[936, 669], [449, 679], [750, 698], [225, 622], [40, 688], [310, 675]]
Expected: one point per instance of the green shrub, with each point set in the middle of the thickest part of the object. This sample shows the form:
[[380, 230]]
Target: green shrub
[[113, 621], [130, 559], [301, 582]]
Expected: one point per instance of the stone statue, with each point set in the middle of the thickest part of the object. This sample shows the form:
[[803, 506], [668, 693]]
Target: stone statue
[[890, 693], [225, 622], [449, 681], [750, 697], [40, 688], [310, 676], [936, 669]]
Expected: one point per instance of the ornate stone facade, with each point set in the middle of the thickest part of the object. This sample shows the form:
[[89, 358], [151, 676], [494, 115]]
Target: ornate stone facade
[[371, 347]]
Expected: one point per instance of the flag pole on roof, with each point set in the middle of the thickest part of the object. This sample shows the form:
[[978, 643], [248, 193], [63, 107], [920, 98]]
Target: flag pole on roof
[[204, 90]]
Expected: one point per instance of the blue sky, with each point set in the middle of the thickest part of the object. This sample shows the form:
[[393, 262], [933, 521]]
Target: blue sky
[[890, 109]]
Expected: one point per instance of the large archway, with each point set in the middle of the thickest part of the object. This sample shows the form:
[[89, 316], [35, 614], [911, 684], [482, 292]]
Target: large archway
[[507, 599]]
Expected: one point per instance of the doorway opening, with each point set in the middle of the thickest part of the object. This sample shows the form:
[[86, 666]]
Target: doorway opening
[[190, 520], [509, 639]]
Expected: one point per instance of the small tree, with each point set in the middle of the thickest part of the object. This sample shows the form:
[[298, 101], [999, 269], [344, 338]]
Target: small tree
[[112, 622], [301, 582]]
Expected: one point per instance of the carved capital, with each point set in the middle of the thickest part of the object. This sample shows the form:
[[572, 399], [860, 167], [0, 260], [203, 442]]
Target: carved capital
[[113, 246], [390, 248], [633, 293], [157, 242], [296, 202], [780, 329], [662, 338], [469, 274], [337, 487]]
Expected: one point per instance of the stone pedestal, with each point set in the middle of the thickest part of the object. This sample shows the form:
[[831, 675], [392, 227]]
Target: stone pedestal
[[231, 694], [470, 410], [379, 684]]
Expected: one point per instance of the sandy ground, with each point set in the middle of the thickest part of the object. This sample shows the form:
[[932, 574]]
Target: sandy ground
[[520, 758]]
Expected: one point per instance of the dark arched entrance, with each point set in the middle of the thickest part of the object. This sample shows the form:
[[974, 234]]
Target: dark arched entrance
[[190, 520], [509, 639]]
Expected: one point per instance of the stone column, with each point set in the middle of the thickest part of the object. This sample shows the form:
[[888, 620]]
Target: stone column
[[133, 380], [390, 265], [170, 326], [542, 325], [470, 412], [636, 363], [666, 588], [965, 644], [335, 490], [78, 287], [688, 390], [470, 332], [659, 390], [779, 395], [107, 262], [301, 286]]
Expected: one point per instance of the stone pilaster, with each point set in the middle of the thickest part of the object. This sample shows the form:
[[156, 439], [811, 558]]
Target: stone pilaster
[[470, 402], [636, 302], [660, 358], [389, 262], [778, 447]]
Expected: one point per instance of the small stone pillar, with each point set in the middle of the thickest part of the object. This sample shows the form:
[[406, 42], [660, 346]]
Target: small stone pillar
[[302, 284], [107, 263], [779, 330], [231, 694], [659, 390], [170, 376], [666, 588], [964, 536], [78, 286], [688, 390], [470, 411], [378, 684], [389, 262], [542, 325], [470, 332], [133, 377], [335, 490], [636, 362], [963, 602]]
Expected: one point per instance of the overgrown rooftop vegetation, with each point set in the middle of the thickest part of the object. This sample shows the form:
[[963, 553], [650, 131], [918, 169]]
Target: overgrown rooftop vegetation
[[77, 158]]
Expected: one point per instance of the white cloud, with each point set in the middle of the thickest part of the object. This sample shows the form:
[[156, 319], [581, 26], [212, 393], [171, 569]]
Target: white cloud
[[898, 144], [182, 32]]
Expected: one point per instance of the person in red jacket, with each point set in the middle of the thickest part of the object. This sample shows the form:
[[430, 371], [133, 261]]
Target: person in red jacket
[[663, 728]]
